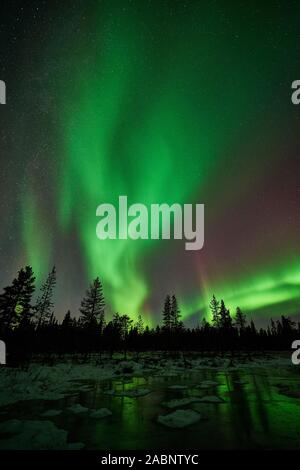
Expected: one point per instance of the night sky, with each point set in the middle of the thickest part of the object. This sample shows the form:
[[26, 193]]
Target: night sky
[[162, 101]]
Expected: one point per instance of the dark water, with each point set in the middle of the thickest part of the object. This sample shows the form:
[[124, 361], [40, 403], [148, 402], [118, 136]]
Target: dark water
[[260, 410]]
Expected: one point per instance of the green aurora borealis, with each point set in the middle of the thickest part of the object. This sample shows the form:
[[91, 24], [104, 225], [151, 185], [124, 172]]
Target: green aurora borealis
[[162, 102]]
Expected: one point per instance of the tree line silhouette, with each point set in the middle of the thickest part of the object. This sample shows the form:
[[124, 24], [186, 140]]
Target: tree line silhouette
[[30, 326]]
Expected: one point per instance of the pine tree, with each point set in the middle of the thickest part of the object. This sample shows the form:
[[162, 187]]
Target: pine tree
[[140, 325], [273, 327], [15, 302], [44, 303], [253, 328], [287, 324], [225, 318], [125, 324], [167, 318], [240, 319], [67, 321], [215, 311], [92, 306], [175, 314]]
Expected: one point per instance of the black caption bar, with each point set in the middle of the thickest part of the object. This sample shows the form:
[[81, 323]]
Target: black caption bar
[[137, 459]]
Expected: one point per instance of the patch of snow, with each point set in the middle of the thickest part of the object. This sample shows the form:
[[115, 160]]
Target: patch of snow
[[82, 388], [207, 384], [128, 367], [179, 419], [35, 435], [180, 402], [211, 399], [43, 382], [12, 426], [78, 409], [101, 413]]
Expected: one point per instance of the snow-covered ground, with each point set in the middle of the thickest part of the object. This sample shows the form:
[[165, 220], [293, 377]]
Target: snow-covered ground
[[43, 382], [34, 435], [179, 418]]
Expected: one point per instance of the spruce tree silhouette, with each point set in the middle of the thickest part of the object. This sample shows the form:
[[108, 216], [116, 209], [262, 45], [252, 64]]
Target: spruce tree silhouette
[[215, 311], [167, 315], [92, 306], [174, 314], [44, 304], [140, 325], [240, 320], [67, 321], [125, 325], [225, 318]]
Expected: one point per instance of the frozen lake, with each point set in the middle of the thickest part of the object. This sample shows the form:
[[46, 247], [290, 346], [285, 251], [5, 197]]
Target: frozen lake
[[250, 406]]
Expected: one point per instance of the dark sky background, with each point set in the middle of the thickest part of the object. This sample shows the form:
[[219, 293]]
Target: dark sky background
[[163, 101]]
